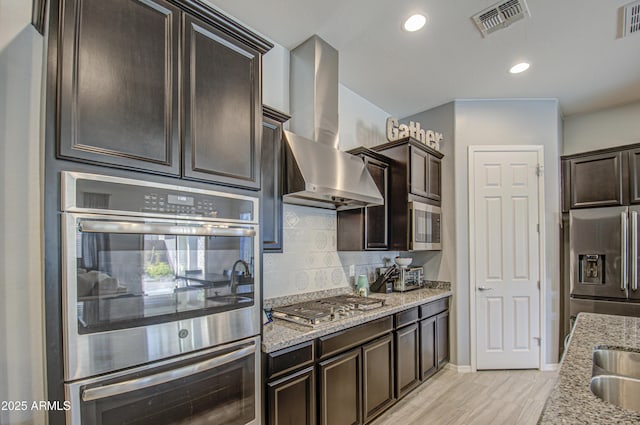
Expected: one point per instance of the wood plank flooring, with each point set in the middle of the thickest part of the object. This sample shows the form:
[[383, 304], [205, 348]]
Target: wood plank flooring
[[514, 397]]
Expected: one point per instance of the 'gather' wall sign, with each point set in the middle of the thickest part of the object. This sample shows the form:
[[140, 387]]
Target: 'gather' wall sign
[[397, 131]]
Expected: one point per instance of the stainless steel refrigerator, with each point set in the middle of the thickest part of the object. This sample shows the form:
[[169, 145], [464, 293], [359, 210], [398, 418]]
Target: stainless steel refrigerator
[[604, 260]]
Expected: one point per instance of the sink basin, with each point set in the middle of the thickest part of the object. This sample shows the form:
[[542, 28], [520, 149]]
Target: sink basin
[[619, 390], [617, 362]]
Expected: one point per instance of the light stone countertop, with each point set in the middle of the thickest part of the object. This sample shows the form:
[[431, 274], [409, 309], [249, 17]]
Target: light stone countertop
[[282, 334], [571, 401]]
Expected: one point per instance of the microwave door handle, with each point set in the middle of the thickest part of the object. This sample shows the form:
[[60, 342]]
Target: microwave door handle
[[624, 250], [119, 388], [634, 250], [162, 229]]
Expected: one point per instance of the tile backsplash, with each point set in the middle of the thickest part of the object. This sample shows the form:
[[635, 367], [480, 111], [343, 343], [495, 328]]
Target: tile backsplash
[[309, 261]]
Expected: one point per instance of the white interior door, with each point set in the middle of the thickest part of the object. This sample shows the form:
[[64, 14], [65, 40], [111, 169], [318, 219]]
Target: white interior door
[[505, 200]]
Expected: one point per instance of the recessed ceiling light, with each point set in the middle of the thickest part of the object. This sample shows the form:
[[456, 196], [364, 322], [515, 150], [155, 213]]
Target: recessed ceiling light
[[415, 22], [519, 67]]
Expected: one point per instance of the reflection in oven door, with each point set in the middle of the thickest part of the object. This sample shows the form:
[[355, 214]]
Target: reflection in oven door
[[217, 386]]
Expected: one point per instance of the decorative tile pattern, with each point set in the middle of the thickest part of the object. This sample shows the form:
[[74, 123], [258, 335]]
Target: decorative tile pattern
[[309, 261]]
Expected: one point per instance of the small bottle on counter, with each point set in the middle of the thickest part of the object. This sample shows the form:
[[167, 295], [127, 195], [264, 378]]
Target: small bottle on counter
[[362, 287]]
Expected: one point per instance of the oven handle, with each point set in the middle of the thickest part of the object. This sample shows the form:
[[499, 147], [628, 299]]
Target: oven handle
[[119, 388], [162, 229]]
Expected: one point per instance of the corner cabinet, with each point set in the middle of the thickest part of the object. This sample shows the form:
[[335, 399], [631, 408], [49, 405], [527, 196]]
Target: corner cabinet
[[272, 178], [366, 229], [142, 84]]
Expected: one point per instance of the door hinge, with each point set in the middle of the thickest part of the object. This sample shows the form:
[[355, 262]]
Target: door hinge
[[538, 340], [539, 285], [538, 227], [539, 170]]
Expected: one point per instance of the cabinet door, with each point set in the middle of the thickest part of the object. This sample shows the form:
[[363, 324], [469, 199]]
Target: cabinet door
[[376, 219], [292, 399], [428, 353], [597, 180], [340, 394], [407, 359], [419, 171], [377, 376], [434, 178], [442, 342], [118, 86], [272, 174], [634, 175], [222, 107]]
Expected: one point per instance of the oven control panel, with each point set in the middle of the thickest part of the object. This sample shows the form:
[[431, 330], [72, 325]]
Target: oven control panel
[[179, 204], [91, 192]]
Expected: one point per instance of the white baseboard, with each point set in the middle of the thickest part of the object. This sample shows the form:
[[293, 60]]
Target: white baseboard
[[550, 367], [459, 368]]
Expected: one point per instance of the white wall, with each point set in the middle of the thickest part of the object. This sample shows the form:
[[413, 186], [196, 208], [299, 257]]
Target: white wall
[[617, 126], [275, 78], [21, 279], [361, 122], [508, 122]]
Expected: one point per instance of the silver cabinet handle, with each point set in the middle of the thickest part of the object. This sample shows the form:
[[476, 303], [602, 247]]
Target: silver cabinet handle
[[163, 229], [484, 288], [111, 390], [624, 250], [634, 250]]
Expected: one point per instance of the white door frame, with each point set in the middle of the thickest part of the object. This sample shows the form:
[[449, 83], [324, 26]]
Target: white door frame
[[472, 262]]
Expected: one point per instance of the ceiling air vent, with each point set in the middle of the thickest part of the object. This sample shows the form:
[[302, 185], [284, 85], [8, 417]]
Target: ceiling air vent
[[500, 15], [632, 18]]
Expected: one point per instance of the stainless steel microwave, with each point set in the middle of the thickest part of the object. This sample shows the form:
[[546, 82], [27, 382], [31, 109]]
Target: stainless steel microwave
[[425, 227]]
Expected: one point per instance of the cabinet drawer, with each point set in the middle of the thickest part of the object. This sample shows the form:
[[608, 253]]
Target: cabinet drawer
[[340, 341], [434, 307], [406, 317], [289, 359]]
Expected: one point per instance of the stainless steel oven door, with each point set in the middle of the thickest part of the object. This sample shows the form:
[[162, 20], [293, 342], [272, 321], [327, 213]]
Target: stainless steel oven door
[[424, 231], [218, 386], [138, 290]]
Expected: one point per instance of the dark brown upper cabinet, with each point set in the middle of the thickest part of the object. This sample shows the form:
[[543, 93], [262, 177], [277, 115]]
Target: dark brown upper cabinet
[[367, 228], [634, 176], [417, 169], [152, 85], [118, 74], [598, 180], [272, 178], [222, 107]]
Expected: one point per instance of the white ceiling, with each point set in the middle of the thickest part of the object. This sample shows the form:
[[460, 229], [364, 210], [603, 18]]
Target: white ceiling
[[572, 45]]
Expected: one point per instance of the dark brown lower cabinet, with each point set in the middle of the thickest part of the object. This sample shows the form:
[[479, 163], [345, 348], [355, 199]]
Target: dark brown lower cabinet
[[292, 399], [428, 357], [442, 331], [340, 395], [407, 359], [377, 377]]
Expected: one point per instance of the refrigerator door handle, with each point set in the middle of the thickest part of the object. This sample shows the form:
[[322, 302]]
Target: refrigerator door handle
[[634, 250], [624, 249]]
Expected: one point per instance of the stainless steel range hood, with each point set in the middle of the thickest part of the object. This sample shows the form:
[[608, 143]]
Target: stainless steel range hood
[[321, 176], [317, 173]]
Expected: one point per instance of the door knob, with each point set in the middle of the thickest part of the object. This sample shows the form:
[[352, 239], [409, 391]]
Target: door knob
[[484, 288]]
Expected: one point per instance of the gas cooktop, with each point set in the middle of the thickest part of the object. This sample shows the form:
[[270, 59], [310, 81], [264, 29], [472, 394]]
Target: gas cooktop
[[325, 310]]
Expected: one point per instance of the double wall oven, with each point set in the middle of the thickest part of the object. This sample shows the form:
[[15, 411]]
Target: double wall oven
[[161, 303]]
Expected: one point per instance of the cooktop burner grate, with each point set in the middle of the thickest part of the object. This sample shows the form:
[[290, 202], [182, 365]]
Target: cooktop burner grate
[[317, 312]]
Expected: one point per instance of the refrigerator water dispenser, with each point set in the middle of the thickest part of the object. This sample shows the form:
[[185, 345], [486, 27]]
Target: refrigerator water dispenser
[[591, 268]]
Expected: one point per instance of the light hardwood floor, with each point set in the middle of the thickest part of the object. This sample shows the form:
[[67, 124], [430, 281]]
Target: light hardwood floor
[[513, 397]]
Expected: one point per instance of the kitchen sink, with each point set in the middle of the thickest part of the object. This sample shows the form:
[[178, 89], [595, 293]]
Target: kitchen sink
[[618, 362], [619, 390]]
